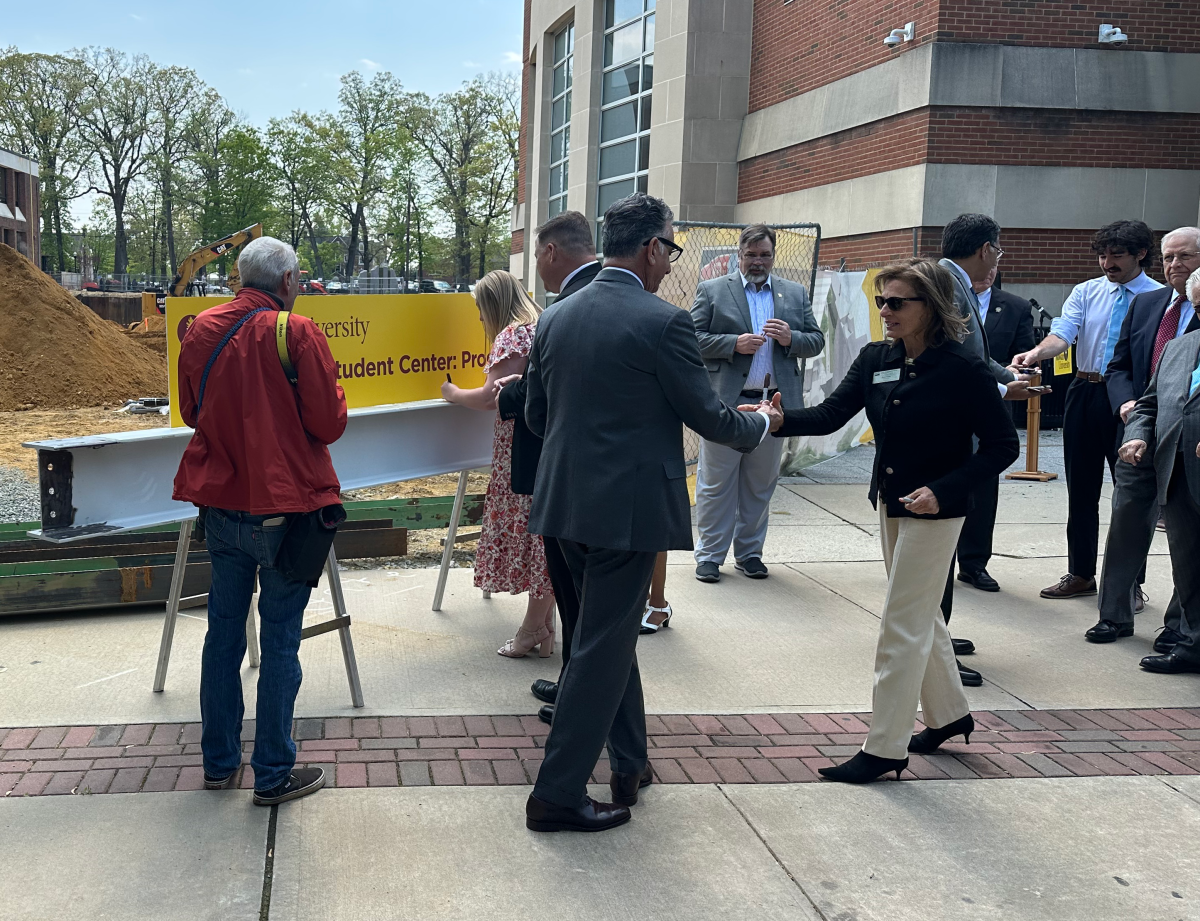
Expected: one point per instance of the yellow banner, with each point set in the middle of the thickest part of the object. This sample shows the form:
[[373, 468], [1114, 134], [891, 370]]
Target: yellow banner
[[390, 348]]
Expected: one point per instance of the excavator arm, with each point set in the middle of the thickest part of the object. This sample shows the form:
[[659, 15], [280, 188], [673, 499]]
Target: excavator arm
[[194, 262]]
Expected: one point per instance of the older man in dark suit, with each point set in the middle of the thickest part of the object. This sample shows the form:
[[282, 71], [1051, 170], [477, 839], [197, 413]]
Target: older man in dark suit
[[613, 376], [565, 256], [1164, 430], [1154, 319]]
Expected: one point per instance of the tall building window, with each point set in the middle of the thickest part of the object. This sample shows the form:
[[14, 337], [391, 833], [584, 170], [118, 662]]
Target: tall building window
[[560, 118], [625, 100]]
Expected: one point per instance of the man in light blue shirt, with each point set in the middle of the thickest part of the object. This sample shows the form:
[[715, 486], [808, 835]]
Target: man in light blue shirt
[[1091, 321]]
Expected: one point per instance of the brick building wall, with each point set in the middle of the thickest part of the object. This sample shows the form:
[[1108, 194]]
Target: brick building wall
[[800, 46]]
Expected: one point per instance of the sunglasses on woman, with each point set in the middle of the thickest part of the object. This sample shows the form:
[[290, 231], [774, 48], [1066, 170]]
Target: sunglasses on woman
[[893, 303]]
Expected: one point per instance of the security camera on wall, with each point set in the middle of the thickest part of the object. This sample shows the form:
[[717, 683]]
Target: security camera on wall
[[899, 36], [1112, 35]]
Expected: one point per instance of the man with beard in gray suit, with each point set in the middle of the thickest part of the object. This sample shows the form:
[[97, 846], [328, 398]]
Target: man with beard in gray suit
[[614, 375]]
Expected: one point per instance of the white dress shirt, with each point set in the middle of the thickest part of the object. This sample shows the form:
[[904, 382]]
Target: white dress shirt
[[566, 281], [762, 308], [985, 301], [1086, 314]]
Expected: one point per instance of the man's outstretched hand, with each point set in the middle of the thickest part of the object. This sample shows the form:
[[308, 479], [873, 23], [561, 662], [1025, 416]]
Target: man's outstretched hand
[[772, 410]]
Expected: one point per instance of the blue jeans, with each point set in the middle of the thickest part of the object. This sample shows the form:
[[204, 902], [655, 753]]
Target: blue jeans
[[240, 546]]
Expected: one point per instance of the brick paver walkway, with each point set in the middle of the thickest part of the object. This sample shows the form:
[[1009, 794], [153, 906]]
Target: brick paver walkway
[[455, 750]]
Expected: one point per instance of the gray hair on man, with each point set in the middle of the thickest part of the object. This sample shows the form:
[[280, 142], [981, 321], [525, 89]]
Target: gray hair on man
[[263, 263], [1193, 288], [1192, 232]]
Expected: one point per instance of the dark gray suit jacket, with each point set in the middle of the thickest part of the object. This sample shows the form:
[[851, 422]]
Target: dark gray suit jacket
[[976, 341], [721, 313], [1167, 417], [614, 375]]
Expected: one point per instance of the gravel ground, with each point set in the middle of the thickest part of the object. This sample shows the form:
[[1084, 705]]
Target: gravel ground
[[19, 499]]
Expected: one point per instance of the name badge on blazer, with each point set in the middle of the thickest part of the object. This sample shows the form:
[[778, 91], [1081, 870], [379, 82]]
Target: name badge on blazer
[[885, 377]]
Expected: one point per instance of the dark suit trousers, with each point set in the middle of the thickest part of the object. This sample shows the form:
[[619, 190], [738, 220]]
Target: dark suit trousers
[[1183, 534], [600, 697], [1089, 439], [975, 542], [565, 596], [1134, 516]]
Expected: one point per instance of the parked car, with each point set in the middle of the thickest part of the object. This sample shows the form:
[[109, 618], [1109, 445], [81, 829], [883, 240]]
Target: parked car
[[443, 287], [427, 286], [414, 286], [463, 288]]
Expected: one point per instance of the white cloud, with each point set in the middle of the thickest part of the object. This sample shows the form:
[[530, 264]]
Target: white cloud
[[511, 57], [369, 64], [470, 64]]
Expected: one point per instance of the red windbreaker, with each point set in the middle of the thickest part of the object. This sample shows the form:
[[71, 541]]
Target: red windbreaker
[[260, 443]]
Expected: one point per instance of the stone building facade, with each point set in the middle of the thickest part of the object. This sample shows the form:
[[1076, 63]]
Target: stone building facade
[[786, 111]]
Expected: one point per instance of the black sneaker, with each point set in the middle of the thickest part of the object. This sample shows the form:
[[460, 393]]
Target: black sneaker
[[217, 783], [300, 782], [752, 568], [708, 572]]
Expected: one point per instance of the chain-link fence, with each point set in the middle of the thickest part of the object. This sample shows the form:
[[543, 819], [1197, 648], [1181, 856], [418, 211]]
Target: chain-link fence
[[710, 251]]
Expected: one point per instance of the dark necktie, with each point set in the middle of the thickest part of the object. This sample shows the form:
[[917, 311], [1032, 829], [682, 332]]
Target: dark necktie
[[1167, 330]]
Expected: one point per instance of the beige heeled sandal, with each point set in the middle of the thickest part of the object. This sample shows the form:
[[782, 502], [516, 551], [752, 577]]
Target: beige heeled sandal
[[522, 644]]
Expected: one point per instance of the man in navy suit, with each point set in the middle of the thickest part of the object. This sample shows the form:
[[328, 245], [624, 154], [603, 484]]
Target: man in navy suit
[[1154, 319]]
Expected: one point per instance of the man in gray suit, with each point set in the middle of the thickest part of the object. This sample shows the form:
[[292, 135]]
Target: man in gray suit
[[1165, 424], [753, 327], [614, 375], [971, 251]]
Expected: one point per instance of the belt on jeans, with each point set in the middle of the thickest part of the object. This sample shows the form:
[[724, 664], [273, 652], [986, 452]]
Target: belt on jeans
[[771, 391], [1092, 377]]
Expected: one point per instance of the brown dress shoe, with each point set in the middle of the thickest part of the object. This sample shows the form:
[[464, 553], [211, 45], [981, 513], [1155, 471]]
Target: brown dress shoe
[[1070, 586]]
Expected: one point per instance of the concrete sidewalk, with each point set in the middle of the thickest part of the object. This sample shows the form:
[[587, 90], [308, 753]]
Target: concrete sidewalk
[[716, 847], [1059, 850]]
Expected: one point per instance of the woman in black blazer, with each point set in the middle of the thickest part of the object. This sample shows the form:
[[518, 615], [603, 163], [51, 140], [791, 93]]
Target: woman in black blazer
[[925, 397]]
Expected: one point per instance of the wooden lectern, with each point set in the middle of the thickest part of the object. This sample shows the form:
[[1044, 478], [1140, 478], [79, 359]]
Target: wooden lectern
[[1033, 426]]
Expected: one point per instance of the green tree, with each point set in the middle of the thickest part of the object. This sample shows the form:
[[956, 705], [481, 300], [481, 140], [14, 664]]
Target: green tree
[[300, 151], [115, 121], [172, 91], [42, 98]]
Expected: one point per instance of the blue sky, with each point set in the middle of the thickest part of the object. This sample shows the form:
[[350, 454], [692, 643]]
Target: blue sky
[[270, 57]]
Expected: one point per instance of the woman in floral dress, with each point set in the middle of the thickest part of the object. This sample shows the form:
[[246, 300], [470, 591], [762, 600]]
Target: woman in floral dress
[[508, 558]]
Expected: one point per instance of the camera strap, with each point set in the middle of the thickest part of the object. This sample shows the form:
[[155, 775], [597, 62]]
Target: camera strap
[[285, 360]]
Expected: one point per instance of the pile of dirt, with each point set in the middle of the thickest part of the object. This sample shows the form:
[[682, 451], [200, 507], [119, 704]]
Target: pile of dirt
[[150, 332], [55, 353]]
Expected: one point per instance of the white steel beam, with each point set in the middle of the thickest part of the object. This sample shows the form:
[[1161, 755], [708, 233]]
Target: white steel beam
[[123, 481]]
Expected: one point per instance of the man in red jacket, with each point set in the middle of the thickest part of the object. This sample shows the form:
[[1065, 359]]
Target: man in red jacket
[[258, 454]]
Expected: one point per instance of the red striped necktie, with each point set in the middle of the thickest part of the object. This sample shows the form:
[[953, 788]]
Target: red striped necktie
[[1167, 330]]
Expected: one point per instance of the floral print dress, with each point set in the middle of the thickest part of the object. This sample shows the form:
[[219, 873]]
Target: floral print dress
[[509, 558]]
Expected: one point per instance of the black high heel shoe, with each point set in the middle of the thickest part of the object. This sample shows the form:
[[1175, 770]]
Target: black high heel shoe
[[928, 740], [863, 768]]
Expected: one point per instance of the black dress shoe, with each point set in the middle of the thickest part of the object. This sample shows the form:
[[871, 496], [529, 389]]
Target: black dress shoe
[[708, 572], [546, 714], [980, 579], [968, 676], [591, 816], [1108, 632], [1166, 640], [1170, 664], [963, 647], [863, 768], [545, 691], [929, 740], [625, 786]]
